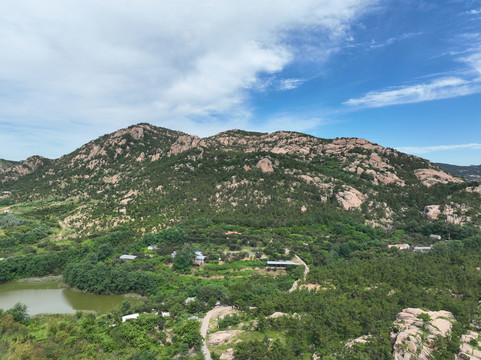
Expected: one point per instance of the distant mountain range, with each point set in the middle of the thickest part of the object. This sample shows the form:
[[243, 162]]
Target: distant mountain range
[[472, 172], [5, 164]]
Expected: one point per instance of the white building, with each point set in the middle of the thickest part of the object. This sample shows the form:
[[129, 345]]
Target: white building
[[199, 258], [422, 248], [130, 317], [127, 257]]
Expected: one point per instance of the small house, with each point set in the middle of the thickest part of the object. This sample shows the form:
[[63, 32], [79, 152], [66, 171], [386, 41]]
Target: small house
[[173, 254], [129, 317], [199, 258], [400, 246], [165, 313], [152, 247], [435, 237], [127, 257], [421, 248], [6, 211], [233, 233], [189, 299]]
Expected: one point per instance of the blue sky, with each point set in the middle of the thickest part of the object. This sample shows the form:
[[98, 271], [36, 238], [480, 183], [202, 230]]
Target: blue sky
[[404, 74]]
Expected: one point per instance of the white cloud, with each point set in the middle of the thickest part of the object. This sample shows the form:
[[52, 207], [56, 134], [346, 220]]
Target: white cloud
[[429, 149], [290, 84], [442, 88], [474, 11], [174, 63]]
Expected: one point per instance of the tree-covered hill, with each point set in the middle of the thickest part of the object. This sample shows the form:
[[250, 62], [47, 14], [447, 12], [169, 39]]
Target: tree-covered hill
[[472, 172], [5, 164], [147, 178]]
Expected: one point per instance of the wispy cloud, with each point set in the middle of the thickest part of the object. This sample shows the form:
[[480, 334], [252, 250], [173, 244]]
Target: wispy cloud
[[430, 149], [474, 12], [375, 44], [289, 84], [442, 88]]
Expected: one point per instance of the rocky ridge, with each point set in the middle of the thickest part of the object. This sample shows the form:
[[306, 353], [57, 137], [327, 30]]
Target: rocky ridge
[[145, 164]]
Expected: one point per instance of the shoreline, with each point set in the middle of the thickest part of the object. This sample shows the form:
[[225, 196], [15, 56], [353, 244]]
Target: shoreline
[[42, 280]]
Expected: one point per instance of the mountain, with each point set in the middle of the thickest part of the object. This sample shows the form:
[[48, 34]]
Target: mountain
[[147, 178], [472, 172], [5, 164]]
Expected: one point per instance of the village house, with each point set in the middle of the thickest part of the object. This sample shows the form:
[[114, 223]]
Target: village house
[[421, 248], [199, 258], [152, 247], [127, 257], [400, 246], [130, 317], [233, 233], [435, 237]]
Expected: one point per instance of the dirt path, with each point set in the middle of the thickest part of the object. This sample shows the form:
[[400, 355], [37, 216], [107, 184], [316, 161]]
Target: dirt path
[[224, 310], [212, 314], [306, 271]]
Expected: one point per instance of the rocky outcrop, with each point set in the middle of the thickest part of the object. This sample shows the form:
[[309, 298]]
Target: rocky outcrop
[[415, 332], [183, 143], [476, 189], [469, 347], [453, 213], [265, 165], [430, 177], [350, 198]]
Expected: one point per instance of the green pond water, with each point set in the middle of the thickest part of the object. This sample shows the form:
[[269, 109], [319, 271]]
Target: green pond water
[[52, 298]]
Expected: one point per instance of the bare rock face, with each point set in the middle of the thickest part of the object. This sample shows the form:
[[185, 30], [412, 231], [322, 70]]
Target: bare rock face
[[476, 189], [416, 331], [454, 213], [431, 212], [430, 177], [350, 198], [265, 165], [183, 143]]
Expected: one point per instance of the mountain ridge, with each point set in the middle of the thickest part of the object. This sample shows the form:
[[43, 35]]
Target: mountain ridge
[[471, 172], [149, 177]]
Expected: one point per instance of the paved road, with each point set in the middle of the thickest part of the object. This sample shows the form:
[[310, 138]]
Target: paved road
[[306, 271], [212, 314]]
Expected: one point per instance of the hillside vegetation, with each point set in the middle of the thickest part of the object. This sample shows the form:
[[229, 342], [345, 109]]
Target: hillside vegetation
[[148, 178], [240, 198]]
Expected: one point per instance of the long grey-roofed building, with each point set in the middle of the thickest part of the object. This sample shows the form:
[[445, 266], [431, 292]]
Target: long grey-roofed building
[[280, 264]]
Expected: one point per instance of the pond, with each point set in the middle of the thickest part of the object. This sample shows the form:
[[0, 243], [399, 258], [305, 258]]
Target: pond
[[53, 298]]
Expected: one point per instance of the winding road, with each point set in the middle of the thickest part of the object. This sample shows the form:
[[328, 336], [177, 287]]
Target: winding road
[[214, 313]]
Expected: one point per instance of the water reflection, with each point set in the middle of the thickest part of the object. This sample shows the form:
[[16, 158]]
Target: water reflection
[[50, 298]]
